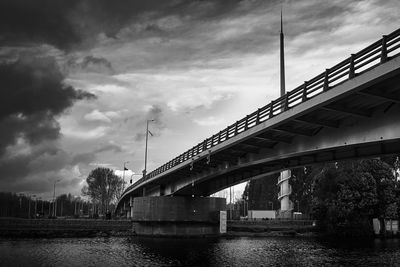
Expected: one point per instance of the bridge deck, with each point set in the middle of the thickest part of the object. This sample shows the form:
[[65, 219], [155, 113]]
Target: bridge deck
[[353, 90]]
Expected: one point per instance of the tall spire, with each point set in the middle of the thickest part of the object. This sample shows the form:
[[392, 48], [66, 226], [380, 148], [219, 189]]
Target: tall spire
[[282, 58], [281, 19]]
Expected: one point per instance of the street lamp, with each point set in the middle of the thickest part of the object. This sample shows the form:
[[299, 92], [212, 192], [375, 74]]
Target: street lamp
[[29, 206], [35, 205], [40, 198], [54, 197], [145, 152], [123, 175]]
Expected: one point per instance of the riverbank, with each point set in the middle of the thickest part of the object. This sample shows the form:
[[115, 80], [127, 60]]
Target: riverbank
[[271, 228], [16, 227], [49, 228]]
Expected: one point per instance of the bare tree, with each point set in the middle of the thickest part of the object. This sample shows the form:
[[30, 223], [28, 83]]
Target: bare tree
[[103, 187]]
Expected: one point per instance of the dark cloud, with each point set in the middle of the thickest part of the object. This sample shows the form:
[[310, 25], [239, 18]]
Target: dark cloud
[[110, 147], [89, 157], [209, 33], [41, 162], [33, 94], [44, 164], [29, 21], [96, 64], [33, 85], [83, 158], [90, 64], [155, 113], [74, 23]]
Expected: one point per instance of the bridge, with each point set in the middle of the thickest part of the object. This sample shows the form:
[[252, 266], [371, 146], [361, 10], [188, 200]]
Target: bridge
[[350, 110]]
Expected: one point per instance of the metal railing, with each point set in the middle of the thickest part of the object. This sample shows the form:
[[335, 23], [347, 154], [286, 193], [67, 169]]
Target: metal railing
[[366, 59]]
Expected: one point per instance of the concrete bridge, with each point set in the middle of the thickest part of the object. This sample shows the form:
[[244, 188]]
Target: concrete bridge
[[351, 110]]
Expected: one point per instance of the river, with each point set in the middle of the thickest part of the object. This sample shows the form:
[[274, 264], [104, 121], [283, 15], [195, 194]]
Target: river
[[240, 251]]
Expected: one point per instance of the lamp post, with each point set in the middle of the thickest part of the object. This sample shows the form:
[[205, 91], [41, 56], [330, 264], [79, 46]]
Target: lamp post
[[29, 207], [42, 205], [145, 152], [54, 197], [123, 175], [75, 205], [107, 196], [35, 205]]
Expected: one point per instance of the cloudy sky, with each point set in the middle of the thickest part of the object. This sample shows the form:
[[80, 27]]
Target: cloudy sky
[[81, 77]]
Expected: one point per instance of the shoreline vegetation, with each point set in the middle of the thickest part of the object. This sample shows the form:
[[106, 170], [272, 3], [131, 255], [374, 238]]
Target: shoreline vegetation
[[70, 228], [48, 228]]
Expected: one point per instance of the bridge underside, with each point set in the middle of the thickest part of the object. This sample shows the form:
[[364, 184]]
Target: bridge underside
[[358, 118], [380, 136]]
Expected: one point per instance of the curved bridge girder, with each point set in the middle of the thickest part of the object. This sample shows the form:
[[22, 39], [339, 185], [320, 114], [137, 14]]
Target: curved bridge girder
[[357, 118]]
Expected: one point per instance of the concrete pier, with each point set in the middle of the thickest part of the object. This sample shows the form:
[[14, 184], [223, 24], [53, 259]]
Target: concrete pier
[[176, 216]]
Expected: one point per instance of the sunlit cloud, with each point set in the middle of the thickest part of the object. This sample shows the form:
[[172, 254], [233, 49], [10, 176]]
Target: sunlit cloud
[[96, 115]]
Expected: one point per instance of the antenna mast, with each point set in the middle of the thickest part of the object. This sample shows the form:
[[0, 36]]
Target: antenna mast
[[282, 58]]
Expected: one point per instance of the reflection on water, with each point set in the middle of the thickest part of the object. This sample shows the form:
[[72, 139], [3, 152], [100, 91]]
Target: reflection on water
[[135, 251]]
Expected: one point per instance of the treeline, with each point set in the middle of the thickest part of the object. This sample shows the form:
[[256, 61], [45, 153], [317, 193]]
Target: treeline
[[103, 190], [30, 206], [342, 196]]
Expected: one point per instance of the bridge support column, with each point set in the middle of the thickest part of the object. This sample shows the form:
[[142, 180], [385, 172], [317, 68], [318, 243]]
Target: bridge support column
[[177, 216], [283, 196]]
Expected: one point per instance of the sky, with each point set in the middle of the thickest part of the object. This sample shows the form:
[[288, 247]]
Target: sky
[[81, 77]]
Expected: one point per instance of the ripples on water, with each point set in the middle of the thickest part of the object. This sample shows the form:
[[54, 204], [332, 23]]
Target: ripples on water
[[137, 251]]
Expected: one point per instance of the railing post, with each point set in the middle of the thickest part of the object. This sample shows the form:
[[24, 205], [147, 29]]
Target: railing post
[[246, 124], [384, 49], [205, 145], [304, 95], [352, 73], [271, 109], [219, 137], [326, 80], [227, 133], [258, 117], [236, 128], [286, 102]]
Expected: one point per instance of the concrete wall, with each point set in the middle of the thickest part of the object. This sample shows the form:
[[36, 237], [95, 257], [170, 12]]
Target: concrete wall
[[176, 216], [175, 209]]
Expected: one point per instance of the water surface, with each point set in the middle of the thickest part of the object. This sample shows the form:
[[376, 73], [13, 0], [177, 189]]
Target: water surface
[[135, 251]]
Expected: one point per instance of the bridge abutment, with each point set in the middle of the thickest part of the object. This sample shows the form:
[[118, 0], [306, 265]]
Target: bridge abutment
[[177, 216]]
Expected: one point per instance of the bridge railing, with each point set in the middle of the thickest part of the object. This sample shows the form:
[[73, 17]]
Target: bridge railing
[[375, 54]]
